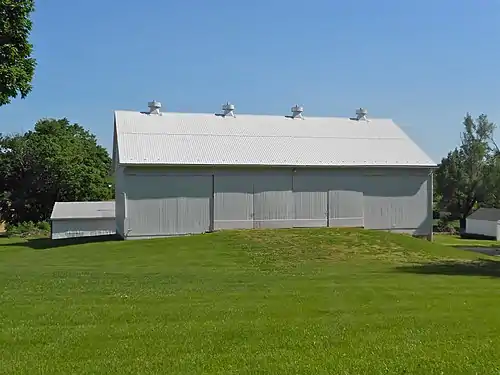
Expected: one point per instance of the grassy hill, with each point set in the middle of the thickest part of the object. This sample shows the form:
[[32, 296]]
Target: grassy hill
[[318, 301]]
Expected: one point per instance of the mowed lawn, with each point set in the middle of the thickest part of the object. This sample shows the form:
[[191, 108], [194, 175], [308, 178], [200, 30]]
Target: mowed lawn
[[320, 301]]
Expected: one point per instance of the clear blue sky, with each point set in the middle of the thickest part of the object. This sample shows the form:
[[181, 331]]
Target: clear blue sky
[[422, 63]]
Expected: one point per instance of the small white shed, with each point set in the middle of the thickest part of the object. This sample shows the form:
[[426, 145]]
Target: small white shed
[[82, 219], [484, 222]]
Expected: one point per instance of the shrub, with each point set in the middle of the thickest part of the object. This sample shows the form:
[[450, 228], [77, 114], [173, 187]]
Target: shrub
[[28, 229], [446, 226]]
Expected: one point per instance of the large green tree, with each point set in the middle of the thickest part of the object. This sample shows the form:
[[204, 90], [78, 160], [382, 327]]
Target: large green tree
[[17, 67], [57, 161], [470, 174]]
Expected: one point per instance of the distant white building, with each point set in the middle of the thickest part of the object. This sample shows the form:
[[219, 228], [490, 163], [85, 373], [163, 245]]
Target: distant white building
[[82, 219], [182, 173], [484, 222]]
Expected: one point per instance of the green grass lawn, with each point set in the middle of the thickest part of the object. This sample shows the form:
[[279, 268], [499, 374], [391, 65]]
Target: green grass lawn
[[316, 301]]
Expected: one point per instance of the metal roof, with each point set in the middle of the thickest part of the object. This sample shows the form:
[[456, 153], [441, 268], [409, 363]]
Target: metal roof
[[486, 214], [83, 210], [209, 139]]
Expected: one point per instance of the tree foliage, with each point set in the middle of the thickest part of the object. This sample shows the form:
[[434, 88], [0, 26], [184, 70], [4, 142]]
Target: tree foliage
[[17, 67], [469, 175], [57, 161]]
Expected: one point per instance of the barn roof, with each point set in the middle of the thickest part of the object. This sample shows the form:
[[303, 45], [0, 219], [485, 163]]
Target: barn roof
[[83, 210], [209, 139], [486, 214]]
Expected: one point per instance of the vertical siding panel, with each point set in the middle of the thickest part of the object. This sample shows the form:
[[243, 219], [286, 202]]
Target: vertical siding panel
[[430, 206], [398, 202], [162, 205], [119, 203], [193, 209], [310, 199], [233, 201], [346, 209], [145, 216], [169, 210], [273, 200]]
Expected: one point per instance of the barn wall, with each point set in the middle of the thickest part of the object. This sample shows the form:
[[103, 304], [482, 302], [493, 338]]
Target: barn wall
[[120, 202], [310, 198], [233, 201], [168, 204], [273, 200], [169, 201], [398, 201], [71, 228]]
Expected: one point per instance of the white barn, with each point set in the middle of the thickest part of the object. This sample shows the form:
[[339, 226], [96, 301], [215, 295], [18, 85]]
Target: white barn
[[182, 173], [484, 222], [82, 219]]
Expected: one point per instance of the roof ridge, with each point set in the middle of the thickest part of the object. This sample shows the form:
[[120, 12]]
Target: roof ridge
[[260, 136], [214, 114]]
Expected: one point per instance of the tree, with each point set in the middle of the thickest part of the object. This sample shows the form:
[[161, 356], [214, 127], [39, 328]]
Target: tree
[[57, 161], [17, 67], [469, 174]]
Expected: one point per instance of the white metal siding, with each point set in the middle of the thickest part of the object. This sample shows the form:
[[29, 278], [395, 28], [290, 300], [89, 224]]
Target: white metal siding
[[310, 190], [161, 205], [273, 200], [482, 227], [345, 209], [71, 228], [194, 200], [120, 203], [397, 202], [233, 202]]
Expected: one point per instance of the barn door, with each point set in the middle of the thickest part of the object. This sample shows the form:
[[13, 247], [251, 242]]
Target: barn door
[[233, 202], [273, 200], [345, 209], [160, 205], [310, 194], [194, 194]]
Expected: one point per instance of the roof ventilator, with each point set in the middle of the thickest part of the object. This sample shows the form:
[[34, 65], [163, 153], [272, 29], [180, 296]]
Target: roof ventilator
[[361, 114], [228, 110], [154, 108], [297, 111]]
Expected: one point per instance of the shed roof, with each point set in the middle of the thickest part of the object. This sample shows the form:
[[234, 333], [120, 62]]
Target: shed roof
[[486, 214], [83, 210], [209, 139]]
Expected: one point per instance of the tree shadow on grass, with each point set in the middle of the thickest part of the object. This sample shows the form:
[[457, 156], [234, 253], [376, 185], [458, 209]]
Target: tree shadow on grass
[[47, 243], [480, 267]]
